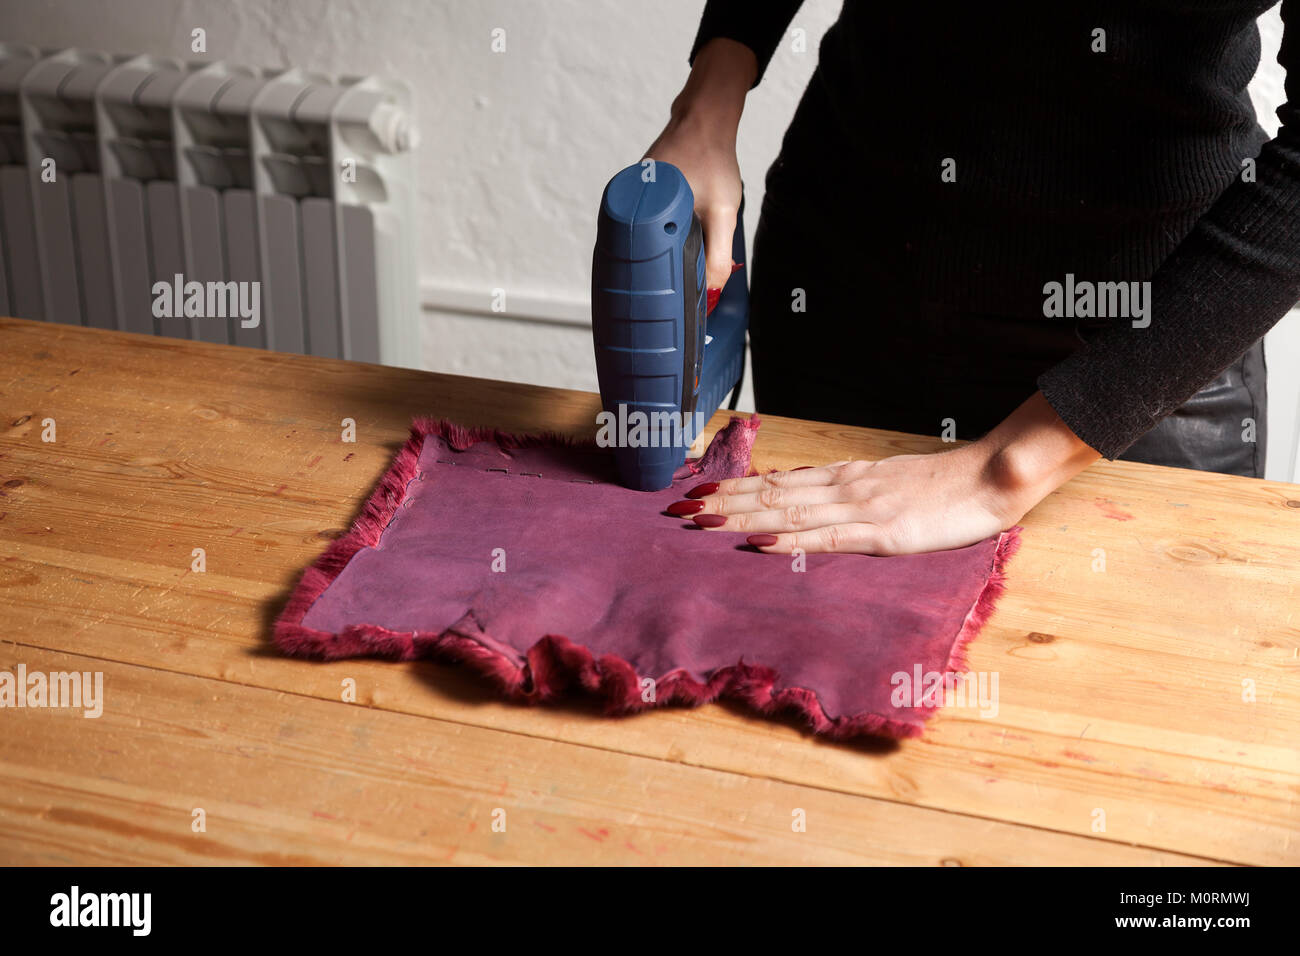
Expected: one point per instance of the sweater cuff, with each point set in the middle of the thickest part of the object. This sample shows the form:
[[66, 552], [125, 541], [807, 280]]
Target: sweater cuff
[[1102, 412], [758, 26]]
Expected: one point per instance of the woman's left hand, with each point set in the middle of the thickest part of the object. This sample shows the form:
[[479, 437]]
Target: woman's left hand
[[897, 505], [904, 504]]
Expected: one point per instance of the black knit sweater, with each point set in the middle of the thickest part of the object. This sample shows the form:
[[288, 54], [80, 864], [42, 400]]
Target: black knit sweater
[[1107, 156]]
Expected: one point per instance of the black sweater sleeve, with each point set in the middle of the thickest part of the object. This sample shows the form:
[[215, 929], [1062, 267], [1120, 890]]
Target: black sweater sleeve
[[758, 25], [1233, 277]]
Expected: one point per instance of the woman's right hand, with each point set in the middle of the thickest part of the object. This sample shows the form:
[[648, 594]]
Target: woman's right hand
[[700, 140]]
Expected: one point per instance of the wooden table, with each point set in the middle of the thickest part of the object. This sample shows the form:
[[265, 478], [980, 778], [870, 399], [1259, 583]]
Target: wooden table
[[1125, 732]]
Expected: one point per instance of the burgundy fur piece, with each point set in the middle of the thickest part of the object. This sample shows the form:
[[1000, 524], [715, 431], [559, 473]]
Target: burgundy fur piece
[[551, 665]]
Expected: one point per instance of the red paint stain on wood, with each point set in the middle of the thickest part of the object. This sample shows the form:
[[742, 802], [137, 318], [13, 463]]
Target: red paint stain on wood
[[1154, 774], [323, 815], [1075, 755], [544, 826], [1109, 509], [628, 844], [349, 456], [279, 490], [473, 825], [314, 461], [598, 836]]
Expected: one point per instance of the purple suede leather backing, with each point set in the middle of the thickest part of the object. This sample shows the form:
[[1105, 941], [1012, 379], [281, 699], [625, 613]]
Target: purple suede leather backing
[[605, 568]]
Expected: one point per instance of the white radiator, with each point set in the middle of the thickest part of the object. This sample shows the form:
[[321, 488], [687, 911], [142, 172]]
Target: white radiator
[[123, 179]]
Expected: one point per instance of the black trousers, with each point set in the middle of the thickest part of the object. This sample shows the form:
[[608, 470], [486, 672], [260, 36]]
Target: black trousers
[[838, 334]]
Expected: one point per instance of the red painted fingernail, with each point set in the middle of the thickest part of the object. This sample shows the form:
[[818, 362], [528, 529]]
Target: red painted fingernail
[[682, 509], [712, 301], [710, 521], [762, 540], [699, 491], [736, 267]]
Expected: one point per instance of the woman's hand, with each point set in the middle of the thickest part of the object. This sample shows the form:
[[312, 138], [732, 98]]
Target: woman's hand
[[904, 504], [700, 140], [893, 506]]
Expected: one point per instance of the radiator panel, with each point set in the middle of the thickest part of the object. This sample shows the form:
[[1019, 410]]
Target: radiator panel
[[362, 282], [281, 262], [22, 265], [59, 274], [95, 267], [4, 277], [241, 258], [167, 260], [320, 278], [206, 258], [294, 186], [128, 243]]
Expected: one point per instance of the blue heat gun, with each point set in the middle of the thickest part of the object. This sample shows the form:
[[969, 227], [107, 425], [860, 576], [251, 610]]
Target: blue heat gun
[[663, 366]]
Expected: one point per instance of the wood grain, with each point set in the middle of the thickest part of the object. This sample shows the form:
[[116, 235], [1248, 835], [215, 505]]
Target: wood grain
[[283, 779], [1121, 690]]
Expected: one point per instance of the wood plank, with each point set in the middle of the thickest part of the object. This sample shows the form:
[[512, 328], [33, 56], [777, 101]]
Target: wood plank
[[1120, 690], [339, 783]]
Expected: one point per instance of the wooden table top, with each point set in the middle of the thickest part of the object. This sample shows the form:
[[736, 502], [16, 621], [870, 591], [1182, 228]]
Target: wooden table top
[[1147, 714]]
